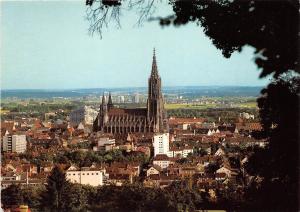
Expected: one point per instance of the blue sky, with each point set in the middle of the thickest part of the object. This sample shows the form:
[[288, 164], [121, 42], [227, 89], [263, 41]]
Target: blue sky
[[46, 45]]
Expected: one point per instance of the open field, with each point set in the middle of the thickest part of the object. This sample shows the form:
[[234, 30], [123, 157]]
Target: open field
[[250, 105], [189, 106], [247, 105]]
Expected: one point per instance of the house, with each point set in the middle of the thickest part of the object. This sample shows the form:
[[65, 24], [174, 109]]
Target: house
[[119, 179], [225, 170], [10, 176], [159, 180], [124, 168], [153, 170], [161, 160], [144, 149], [32, 182], [187, 171], [180, 151], [220, 176], [184, 123], [106, 144], [219, 152]]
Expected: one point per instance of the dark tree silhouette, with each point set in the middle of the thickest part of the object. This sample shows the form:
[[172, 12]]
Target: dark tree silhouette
[[278, 163], [11, 196], [54, 196]]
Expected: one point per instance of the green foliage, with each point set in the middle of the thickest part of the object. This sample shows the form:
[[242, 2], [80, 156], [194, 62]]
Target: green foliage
[[82, 158], [75, 198], [31, 195], [130, 198], [54, 196], [12, 195], [184, 196], [213, 114]]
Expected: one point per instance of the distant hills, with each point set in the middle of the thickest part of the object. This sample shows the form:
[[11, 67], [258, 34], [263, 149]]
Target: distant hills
[[213, 91]]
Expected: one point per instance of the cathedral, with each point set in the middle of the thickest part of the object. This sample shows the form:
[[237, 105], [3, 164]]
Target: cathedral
[[152, 119]]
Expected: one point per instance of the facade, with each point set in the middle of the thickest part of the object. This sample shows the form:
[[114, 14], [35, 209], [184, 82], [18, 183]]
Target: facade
[[85, 115], [181, 152], [161, 143], [122, 121], [136, 98], [153, 170], [85, 176], [106, 144], [14, 143], [162, 161]]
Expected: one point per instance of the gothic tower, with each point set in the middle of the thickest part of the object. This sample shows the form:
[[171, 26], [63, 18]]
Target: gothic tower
[[110, 103], [103, 114], [155, 105]]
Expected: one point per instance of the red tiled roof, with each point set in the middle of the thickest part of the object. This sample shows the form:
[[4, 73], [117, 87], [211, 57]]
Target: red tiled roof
[[161, 157], [123, 111], [175, 120], [249, 126]]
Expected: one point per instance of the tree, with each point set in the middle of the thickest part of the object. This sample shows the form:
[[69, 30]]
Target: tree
[[31, 195], [12, 196], [278, 163], [75, 198], [184, 196], [54, 197], [130, 198]]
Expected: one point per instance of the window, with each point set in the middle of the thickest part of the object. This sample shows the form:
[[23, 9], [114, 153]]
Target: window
[[87, 174], [73, 174]]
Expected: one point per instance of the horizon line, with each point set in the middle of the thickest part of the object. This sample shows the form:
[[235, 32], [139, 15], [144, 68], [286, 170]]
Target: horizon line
[[8, 89]]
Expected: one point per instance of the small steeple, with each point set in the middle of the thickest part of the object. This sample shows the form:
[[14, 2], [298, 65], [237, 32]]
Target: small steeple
[[110, 103], [154, 71], [103, 99]]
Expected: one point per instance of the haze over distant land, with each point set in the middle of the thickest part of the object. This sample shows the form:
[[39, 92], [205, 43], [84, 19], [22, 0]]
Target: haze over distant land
[[46, 46], [192, 91]]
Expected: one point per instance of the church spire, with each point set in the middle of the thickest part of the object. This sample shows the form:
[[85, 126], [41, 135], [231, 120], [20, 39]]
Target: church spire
[[154, 71], [110, 103], [103, 99]]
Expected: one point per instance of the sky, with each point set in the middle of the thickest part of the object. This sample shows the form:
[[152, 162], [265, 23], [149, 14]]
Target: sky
[[46, 45]]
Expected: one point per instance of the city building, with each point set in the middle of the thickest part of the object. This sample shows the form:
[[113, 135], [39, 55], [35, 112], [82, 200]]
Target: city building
[[14, 143], [121, 99], [161, 160], [181, 152], [85, 115], [106, 144], [161, 143], [85, 175], [136, 98], [123, 120]]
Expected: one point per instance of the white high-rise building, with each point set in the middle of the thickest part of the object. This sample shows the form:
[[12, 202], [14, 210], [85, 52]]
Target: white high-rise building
[[14, 143], [136, 98], [85, 115], [161, 143], [121, 99]]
